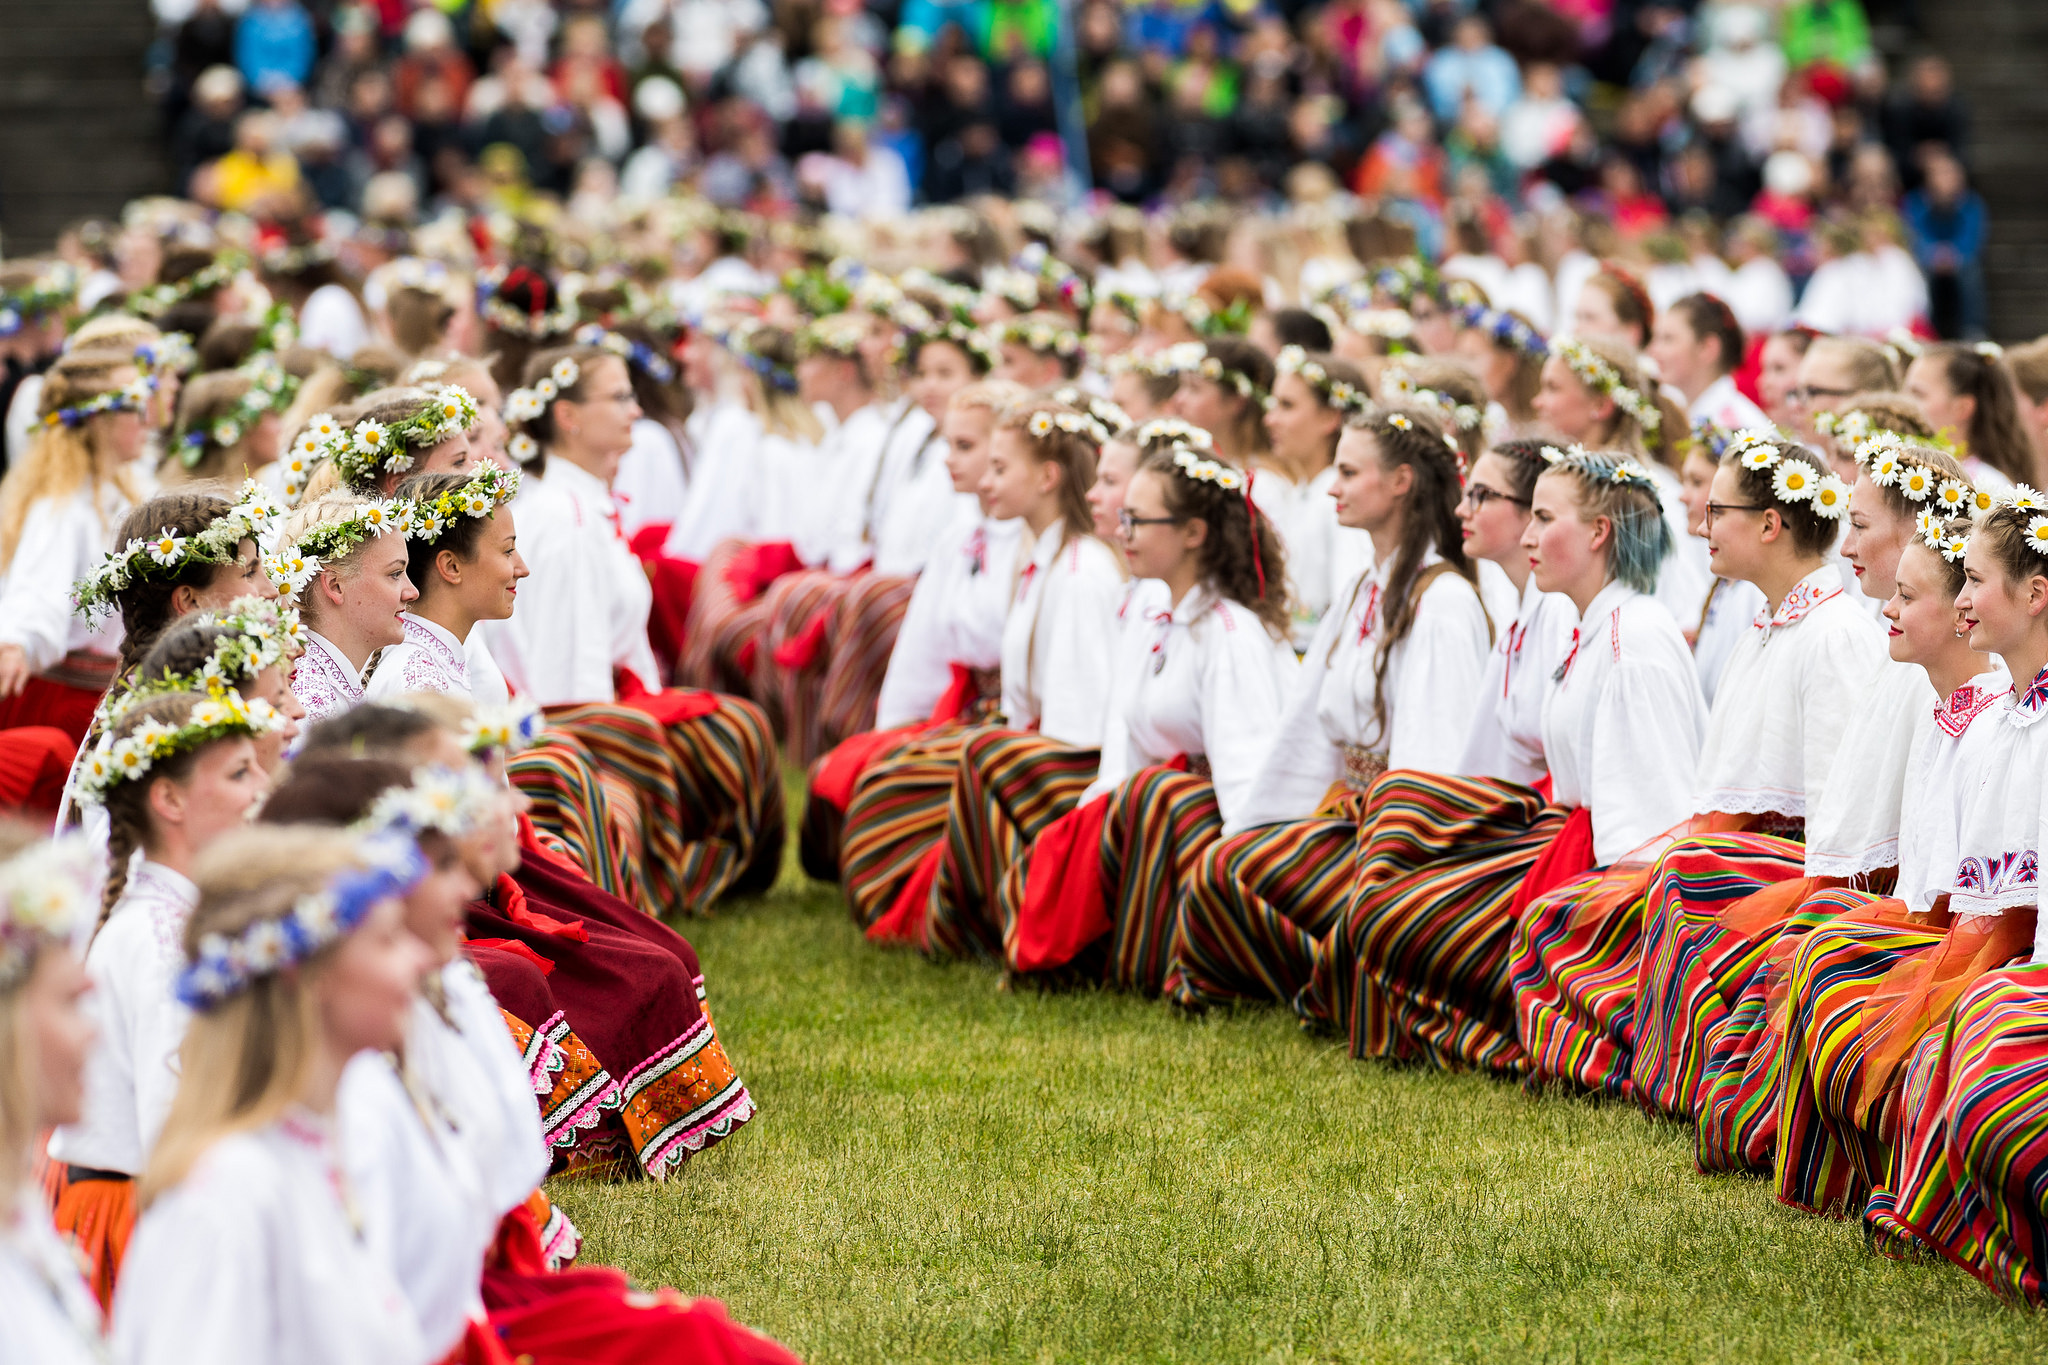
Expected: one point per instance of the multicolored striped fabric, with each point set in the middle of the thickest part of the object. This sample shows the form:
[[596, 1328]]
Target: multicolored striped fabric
[[1008, 787], [1573, 966], [896, 816], [1694, 966], [1972, 1175], [1258, 906], [562, 780], [722, 640], [861, 637], [729, 787], [1418, 967], [789, 692], [1826, 1160], [1160, 822], [631, 745]]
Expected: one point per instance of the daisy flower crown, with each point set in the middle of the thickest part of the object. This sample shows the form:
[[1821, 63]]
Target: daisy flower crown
[[171, 352], [638, 354], [1233, 320], [448, 801], [1505, 329], [921, 328], [1392, 325], [1601, 377], [1192, 357], [1397, 384], [488, 490], [130, 397], [838, 334], [1171, 431], [1402, 279], [1044, 422], [371, 449], [507, 729], [1041, 337], [49, 893], [295, 565], [290, 260], [1950, 544], [270, 390], [1203, 470], [225, 965], [225, 715], [260, 634], [48, 292], [1793, 482], [2030, 503], [1114, 419], [168, 554], [1600, 468], [1335, 393], [1018, 288], [1889, 463], [154, 301]]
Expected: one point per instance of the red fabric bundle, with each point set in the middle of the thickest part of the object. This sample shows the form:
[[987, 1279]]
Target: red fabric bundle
[[749, 572], [1064, 909], [1568, 855]]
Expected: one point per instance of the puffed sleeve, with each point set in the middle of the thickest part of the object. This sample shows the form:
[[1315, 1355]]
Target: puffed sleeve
[[1120, 756], [1842, 665], [1436, 692], [196, 1283], [1300, 763], [35, 604], [1079, 647], [1245, 685], [1644, 768], [916, 676]]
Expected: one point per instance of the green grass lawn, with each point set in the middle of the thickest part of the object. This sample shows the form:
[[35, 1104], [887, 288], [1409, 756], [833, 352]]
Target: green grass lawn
[[941, 1170]]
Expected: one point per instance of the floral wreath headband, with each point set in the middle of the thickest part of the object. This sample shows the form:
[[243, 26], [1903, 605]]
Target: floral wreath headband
[[170, 554], [1402, 279], [1601, 377], [739, 344], [1233, 320], [1199, 467], [1792, 481], [297, 564], [1600, 468], [270, 390], [1885, 458], [487, 490], [372, 449], [49, 292], [1192, 357], [1335, 393], [260, 634], [154, 301], [170, 352], [1401, 421], [1173, 431], [1113, 418], [225, 965], [1042, 423], [450, 801], [290, 260], [1953, 545], [49, 893], [1398, 384], [920, 328], [225, 715], [133, 396], [839, 334], [506, 729], [1041, 337], [533, 324], [637, 354], [1505, 329], [1391, 325], [524, 405]]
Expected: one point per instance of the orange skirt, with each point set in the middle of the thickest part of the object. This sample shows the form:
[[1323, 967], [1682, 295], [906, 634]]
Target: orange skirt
[[98, 1213]]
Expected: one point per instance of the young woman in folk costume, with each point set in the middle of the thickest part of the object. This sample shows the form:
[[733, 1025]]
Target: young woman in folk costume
[[1968, 390], [1224, 384], [1142, 385], [1039, 350], [1698, 346], [1596, 394], [606, 1002], [1418, 965], [367, 447], [1195, 700], [1580, 950], [48, 895], [179, 770], [229, 424], [341, 560], [1392, 679], [296, 958], [1843, 1017], [1724, 619], [703, 766], [1507, 353], [876, 810], [1866, 417], [59, 507], [1831, 373], [830, 669], [1059, 637], [1720, 903], [1313, 396]]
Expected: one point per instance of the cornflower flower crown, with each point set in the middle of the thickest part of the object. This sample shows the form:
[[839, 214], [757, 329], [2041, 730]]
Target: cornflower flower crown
[[372, 449], [1192, 357], [1335, 393], [1792, 481], [130, 397], [507, 729], [1889, 464], [738, 342], [225, 965], [262, 634], [1043, 423], [1397, 384], [638, 354], [1600, 468], [295, 565], [1402, 279], [169, 554], [48, 292], [1504, 328], [270, 390], [171, 352], [487, 490], [155, 300], [223, 715], [1041, 337], [1113, 418], [450, 801], [1602, 378], [49, 893], [1174, 431]]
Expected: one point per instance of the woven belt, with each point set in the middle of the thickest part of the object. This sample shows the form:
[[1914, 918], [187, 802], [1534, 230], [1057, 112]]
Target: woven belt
[[988, 682], [1362, 767], [1198, 766]]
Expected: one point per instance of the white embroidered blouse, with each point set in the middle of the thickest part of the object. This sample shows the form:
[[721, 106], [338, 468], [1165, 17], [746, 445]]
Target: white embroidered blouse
[[429, 659], [324, 681], [1854, 827], [1059, 637], [51, 1316], [63, 540], [955, 615], [1506, 739], [1949, 743]]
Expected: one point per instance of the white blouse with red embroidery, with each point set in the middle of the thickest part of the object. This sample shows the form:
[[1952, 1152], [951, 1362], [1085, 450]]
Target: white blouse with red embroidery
[[1949, 742], [1059, 638]]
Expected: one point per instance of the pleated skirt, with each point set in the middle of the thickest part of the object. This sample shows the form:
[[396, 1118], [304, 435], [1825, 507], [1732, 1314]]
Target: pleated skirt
[[723, 638], [1417, 967], [597, 826], [795, 645]]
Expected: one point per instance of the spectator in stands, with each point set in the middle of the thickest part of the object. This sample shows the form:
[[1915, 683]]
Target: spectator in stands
[[274, 39], [1471, 68], [207, 132], [1948, 225], [1927, 113]]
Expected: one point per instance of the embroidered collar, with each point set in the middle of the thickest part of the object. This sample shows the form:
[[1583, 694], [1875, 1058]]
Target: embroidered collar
[[1964, 705], [2030, 705], [1809, 592], [1603, 610]]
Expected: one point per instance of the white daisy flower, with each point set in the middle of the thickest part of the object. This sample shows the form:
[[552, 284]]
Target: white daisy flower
[[1953, 495], [1916, 483], [565, 372], [1793, 482], [2037, 535], [166, 548], [370, 437], [1831, 497]]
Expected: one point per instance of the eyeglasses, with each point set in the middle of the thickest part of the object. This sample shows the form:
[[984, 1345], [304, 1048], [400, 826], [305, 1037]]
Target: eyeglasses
[[1804, 394], [1127, 519], [1478, 494], [1715, 509]]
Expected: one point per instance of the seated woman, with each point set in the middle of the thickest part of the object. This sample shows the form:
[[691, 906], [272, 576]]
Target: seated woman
[[367, 447], [296, 958], [47, 897], [341, 560], [1579, 951], [1313, 396], [179, 771], [702, 765], [1195, 699], [1392, 680], [637, 1080], [1224, 384], [1507, 352]]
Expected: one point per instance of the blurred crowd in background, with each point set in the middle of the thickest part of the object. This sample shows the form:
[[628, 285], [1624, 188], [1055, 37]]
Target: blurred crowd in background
[[1775, 154]]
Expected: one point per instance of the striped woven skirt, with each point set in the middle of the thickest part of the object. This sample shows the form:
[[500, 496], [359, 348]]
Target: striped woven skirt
[[897, 820], [1008, 787], [1695, 962], [723, 640], [795, 645], [1159, 824], [1258, 906], [1972, 1171], [1418, 966], [599, 827], [861, 638]]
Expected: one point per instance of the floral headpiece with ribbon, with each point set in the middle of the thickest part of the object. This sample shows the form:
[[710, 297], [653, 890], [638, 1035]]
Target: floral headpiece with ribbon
[[225, 715], [1792, 481], [270, 390], [487, 490], [49, 894], [1195, 465], [225, 965], [169, 554], [133, 396], [1602, 378], [1335, 393]]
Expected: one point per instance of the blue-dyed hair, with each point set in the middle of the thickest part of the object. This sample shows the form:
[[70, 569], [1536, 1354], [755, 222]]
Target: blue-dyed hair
[[1642, 537]]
